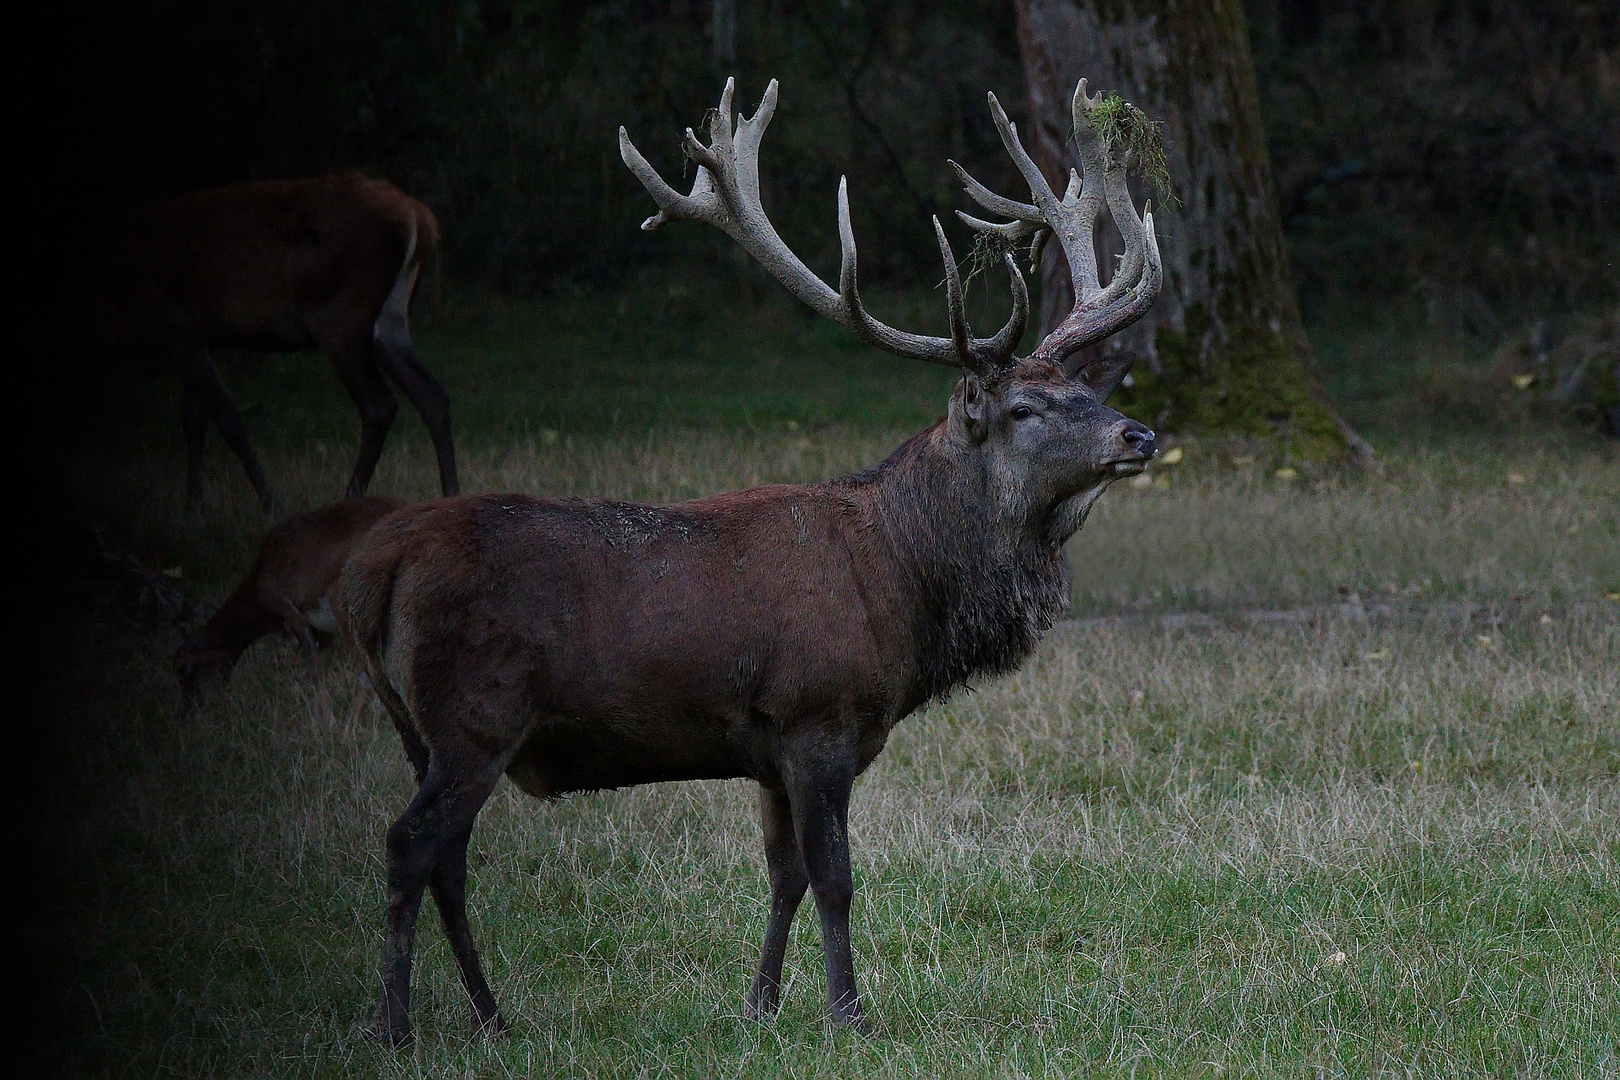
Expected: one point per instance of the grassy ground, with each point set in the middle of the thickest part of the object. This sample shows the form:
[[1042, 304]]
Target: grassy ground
[[1322, 780]]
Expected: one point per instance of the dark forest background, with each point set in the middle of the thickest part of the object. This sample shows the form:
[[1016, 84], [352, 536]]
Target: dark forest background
[[1456, 159]]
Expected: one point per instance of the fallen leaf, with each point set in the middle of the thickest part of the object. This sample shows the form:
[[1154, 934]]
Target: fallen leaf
[[1515, 477], [1485, 640], [1338, 957], [1524, 381], [1171, 456], [1141, 481], [1286, 473], [1377, 654], [1137, 697], [1546, 620]]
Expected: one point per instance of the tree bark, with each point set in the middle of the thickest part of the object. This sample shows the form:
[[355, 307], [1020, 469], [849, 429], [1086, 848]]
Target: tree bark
[[1224, 349]]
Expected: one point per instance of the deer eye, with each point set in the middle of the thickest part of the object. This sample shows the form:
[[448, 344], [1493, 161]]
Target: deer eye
[[1022, 412]]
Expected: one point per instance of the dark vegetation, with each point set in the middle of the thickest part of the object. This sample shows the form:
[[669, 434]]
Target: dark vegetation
[[1447, 171]]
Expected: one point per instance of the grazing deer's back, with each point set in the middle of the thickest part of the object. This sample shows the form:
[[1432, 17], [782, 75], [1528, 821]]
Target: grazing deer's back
[[302, 557], [241, 265]]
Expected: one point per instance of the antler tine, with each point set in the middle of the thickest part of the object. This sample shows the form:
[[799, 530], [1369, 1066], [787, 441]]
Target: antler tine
[[960, 334], [853, 313], [1087, 326], [1130, 230], [725, 194], [1072, 223], [996, 204]]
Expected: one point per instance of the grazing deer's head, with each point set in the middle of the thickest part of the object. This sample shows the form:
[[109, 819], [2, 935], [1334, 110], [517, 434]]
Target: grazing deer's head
[[1035, 427]]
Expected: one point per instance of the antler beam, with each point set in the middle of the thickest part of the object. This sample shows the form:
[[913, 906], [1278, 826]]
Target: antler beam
[[725, 194]]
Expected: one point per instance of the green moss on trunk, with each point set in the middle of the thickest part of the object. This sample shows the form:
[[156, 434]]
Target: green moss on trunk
[[1252, 384]]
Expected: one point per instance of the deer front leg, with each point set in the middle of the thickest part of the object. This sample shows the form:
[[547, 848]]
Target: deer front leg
[[819, 795], [788, 882], [298, 628]]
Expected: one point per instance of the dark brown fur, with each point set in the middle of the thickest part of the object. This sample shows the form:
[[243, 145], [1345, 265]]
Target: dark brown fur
[[285, 591], [328, 263], [778, 633]]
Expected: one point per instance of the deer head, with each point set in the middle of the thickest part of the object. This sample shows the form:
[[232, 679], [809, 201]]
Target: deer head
[[1034, 427]]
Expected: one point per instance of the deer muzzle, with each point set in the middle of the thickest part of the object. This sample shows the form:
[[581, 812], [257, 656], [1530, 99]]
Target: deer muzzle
[[1136, 440]]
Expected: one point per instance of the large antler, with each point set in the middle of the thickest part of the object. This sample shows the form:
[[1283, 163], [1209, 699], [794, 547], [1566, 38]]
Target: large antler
[[726, 195], [1098, 312]]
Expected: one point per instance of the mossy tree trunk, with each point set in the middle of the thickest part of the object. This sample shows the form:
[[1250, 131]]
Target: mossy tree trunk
[[1224, 350]]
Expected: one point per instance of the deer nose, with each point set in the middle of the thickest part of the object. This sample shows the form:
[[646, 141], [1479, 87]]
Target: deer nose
[[1138, 438]]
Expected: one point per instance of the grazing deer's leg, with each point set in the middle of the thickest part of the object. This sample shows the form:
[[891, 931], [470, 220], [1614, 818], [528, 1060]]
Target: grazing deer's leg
[[317, 670], [434, 825], [354, 356], [295, 626], [788, 882], [397, 354], [206, 398], [819, 792]]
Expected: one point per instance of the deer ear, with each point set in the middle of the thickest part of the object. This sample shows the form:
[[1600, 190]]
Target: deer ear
[[1103, 373], [973, 404]]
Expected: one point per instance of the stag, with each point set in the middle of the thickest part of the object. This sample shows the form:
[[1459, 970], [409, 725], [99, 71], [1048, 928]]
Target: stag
[[284, 591], [328, 263], [777, 633]]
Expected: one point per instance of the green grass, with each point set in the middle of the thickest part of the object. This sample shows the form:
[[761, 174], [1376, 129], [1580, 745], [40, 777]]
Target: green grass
[[1375, 834]]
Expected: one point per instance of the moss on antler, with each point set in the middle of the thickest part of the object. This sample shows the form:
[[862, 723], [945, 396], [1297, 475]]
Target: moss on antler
[[1124, 129], [988, 247]]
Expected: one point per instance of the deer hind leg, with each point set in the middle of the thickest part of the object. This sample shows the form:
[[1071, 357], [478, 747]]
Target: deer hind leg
[[448, 882], [354, 356], [428, 844], [207, 400], [788, 883], [819, 789], [449, 885], [397, 354]]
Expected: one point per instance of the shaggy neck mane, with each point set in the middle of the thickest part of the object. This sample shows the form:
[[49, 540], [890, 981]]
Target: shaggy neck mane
[[986, 588]]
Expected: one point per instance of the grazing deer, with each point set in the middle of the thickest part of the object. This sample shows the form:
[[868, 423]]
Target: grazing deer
[[328, 263], [285, 591], [778, 633]]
